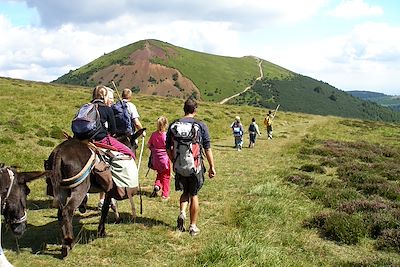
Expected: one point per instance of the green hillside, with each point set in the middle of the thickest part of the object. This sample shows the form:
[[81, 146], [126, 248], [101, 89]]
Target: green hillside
[[389, 101], [322, 192], [303, 94], [217, 77]]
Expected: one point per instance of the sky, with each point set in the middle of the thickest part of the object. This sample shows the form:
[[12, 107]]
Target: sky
[[350, 44]]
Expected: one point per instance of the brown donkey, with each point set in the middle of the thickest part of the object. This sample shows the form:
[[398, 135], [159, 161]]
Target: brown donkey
[[74, 159]]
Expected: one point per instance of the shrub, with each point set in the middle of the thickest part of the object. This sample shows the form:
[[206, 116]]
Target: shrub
[[389, 240], [313, 168], [360, 205], [344, 228], [379, 222], [301, 179]]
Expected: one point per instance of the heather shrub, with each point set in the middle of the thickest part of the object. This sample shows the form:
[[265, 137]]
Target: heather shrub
[[300, 179], [362, 205], [381, 221], [344, 228], [389, 240], [313, 168]]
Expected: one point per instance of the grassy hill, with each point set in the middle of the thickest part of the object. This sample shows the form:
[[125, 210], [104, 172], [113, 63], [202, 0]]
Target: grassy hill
[[390, 101], [299, 93], [321, 193], [157, 68]]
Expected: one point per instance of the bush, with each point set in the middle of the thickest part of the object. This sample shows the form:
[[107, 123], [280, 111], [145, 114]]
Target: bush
[[389, 240], [382, 221], [313, 168], [301, 179], [344, 228], [360, 205]]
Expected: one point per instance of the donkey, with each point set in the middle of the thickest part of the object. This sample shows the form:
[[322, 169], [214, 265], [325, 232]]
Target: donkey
[[73, 158], [13, 193]]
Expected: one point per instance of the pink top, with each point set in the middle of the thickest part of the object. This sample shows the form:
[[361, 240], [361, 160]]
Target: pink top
[[158, 149]]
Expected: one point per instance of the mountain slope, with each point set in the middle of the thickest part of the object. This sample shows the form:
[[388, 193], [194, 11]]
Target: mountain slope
[[304, 94], [390, 101], [157, 68]]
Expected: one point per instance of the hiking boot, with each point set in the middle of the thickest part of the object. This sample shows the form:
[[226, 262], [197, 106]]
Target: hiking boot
[[194, 230], [155, 190], [180, 222]]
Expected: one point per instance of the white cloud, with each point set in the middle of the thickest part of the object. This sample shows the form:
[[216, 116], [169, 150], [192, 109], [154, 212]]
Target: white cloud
[[367, 58], [355, 9]]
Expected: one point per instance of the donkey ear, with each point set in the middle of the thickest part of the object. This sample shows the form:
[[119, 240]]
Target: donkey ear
[[25, 177]]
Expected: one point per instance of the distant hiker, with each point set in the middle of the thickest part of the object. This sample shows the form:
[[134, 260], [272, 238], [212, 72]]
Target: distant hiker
[[237, 130], [186, 139], [253, 131], [268, 123], [159, 158]]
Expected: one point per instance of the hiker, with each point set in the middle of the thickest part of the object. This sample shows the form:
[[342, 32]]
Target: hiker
[[186, 138], [268, 123], [101, 97], [237, 130], [159, 159], [253, 131], [128, 123]]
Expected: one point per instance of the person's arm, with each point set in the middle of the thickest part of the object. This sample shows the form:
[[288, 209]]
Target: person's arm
[[138, 125], [210, 159]]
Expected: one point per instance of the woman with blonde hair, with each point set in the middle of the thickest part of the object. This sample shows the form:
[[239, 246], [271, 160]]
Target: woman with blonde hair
[[159, 158]]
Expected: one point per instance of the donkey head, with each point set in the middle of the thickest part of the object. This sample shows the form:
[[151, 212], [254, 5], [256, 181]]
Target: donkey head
[[13, 192]]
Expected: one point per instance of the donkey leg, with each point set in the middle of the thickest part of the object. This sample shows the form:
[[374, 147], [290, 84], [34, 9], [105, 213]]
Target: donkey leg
[[67, 215], [101, 230], [114, 207], [132, 207]]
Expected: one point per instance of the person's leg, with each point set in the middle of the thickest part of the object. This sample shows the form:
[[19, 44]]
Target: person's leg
[[183, 203], [157, 185], [194, 214], [165, 182]]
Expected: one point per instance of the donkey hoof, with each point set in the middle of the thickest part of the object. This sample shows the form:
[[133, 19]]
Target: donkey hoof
[[64, 251], [118, 220]]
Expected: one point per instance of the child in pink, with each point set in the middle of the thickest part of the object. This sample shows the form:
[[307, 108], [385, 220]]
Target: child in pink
[[159, 158]]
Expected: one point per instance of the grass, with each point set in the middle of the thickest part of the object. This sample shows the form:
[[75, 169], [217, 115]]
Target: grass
[[252, 214]]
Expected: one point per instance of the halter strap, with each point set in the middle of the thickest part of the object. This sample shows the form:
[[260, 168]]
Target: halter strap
[[11, 175]]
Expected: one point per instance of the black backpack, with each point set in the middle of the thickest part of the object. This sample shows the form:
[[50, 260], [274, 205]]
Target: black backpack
[[252, 128]]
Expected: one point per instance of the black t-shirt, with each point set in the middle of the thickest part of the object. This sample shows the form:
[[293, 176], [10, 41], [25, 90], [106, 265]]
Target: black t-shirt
[[107, 120]]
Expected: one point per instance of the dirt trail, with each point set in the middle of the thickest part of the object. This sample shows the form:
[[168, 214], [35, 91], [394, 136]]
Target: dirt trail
[[248, 87]]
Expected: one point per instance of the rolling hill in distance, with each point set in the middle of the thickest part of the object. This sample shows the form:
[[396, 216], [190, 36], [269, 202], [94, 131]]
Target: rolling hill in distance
[[154, 67], [391, 101]]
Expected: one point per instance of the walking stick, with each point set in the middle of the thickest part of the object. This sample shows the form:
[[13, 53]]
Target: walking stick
[[276, 110], [116, 89], [140, 188]]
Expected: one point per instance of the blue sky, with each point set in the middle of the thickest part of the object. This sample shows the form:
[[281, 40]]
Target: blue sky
[[351, 44]]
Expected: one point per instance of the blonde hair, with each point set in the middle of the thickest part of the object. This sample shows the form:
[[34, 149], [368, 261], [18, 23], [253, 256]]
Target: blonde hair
[[126, 93], [162, 124], [100, 92]]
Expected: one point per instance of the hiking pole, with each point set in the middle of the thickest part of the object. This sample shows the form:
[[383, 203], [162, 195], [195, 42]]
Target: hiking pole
[[140, 188], [116, 89], [276, 110]]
